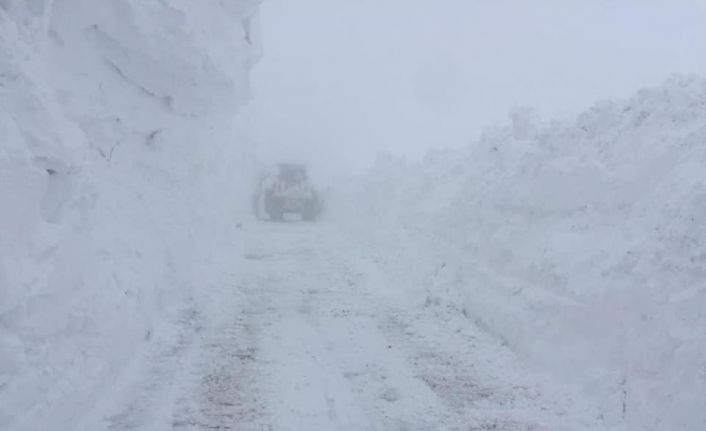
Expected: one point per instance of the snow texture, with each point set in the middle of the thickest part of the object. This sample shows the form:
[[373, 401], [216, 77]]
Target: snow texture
[[118, 135], [581, 244], [302, 333]]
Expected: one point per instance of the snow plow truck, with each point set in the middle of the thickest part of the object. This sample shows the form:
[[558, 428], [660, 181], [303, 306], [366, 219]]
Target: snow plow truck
[[287, 192]]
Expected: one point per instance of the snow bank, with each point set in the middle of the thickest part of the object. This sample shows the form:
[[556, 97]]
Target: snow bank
[[581, 244], [120, 166]]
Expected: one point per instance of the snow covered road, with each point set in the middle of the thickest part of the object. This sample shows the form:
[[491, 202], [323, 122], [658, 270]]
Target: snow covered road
[[307, 337]]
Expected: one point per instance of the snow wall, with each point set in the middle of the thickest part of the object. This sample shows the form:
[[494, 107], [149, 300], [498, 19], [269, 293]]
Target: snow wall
[[120, 164], [581, 244]]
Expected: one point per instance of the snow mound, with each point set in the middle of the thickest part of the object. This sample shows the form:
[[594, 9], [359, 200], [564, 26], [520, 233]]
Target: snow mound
[[120, 151], [581, 244]]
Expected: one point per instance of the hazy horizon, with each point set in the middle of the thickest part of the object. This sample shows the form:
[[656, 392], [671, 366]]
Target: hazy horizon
[[355, 78]]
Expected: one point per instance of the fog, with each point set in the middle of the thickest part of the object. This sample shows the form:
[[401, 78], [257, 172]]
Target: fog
[[550, 275], [342, 80]]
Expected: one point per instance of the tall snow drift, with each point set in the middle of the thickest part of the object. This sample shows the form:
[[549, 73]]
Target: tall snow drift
[[120, 162], [582, 244]]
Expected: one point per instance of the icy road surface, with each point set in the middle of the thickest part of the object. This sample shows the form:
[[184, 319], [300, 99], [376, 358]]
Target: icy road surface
[[306, 337]]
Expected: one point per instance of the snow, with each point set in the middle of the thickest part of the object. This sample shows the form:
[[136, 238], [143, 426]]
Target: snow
[[114, 115], [548, 277], [579, 243], [301, 332]]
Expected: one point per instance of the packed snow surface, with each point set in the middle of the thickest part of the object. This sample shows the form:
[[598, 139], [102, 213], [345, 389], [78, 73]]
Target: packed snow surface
[[304, 333]]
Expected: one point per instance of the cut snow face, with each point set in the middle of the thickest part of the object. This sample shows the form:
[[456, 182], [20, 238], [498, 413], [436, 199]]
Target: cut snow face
[[120, 162], [578, 243]]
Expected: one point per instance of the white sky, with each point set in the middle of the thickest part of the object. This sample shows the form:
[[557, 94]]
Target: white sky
[[342, 80]]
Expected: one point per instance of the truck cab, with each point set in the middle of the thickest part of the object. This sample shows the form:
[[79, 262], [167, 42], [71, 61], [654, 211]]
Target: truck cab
[[289, 192]]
